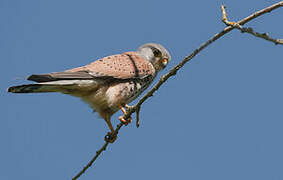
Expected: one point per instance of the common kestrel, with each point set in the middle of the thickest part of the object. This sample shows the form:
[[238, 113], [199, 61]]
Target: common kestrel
[[107, 84]]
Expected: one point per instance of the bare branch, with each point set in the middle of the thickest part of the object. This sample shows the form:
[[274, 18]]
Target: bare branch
[[103, 148], [249, 29], [138, 116], [172, 72]]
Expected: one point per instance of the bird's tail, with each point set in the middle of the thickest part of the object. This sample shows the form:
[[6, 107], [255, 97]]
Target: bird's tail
[[63, 86], [34, 88]]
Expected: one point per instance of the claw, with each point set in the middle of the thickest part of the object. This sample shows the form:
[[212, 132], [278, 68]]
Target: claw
[[125, 121]]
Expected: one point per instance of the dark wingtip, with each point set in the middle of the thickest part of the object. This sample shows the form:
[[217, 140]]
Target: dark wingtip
[[9, 89], [30, 77], [40, 78]]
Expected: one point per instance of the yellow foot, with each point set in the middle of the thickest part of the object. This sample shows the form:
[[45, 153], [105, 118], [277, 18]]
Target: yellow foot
[[125, 121]]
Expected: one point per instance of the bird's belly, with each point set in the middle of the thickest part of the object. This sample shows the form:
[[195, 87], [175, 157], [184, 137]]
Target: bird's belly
[[108, 99], [99, 102]]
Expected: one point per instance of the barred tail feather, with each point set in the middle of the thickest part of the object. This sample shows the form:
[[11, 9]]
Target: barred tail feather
[[33, 88]]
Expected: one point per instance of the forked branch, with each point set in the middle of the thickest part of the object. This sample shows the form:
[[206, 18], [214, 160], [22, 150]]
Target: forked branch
[[249, 29]]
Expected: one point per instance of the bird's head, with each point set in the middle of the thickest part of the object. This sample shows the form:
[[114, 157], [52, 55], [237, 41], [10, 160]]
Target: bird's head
[[156, 54]]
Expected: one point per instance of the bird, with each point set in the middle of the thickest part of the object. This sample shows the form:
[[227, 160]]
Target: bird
[[106, 84]]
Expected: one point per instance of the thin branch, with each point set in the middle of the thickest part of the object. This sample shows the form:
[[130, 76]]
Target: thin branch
[[103, 148], [138, 116], [172, 72], [249, 29]]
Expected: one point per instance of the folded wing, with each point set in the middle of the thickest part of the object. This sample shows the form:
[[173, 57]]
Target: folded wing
[[123, 66]]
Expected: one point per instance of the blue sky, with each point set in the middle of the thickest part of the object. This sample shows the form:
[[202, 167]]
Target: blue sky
[[219, 118]]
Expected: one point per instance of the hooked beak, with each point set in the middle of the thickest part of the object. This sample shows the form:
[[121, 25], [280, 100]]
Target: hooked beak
[[164, 61]]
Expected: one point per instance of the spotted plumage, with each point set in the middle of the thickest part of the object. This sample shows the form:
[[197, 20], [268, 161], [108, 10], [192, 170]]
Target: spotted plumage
[[107, 84]]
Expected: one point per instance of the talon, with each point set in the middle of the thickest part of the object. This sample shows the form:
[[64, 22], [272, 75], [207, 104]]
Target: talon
[[124, 121], [110, 137]]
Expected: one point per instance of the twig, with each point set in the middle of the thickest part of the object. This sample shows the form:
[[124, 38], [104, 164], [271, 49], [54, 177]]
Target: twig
[[138, 116], [103, 148], [173, 72], [249, 29]]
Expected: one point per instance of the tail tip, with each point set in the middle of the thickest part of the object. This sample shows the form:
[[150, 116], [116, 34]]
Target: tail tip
[[10, 89]]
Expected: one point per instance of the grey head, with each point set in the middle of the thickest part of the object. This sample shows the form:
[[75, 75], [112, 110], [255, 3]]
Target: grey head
[[156, 54]]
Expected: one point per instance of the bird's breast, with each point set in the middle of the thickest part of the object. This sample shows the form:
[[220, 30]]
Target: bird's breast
[[123, 93]]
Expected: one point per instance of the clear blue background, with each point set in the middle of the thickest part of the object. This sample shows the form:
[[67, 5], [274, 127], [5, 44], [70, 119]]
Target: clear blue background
[[220, 118]]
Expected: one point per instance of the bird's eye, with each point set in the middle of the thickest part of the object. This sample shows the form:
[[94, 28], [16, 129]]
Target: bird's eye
[[156, 53]]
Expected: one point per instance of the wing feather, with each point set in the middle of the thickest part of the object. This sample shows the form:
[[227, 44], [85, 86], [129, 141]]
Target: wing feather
[[80, 75], [122, 66]]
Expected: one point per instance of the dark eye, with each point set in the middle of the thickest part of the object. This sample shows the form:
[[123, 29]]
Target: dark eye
[[156, 53]]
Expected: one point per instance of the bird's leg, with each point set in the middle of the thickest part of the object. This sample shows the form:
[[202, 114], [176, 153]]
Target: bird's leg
[[125, 121], [110, 137]]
